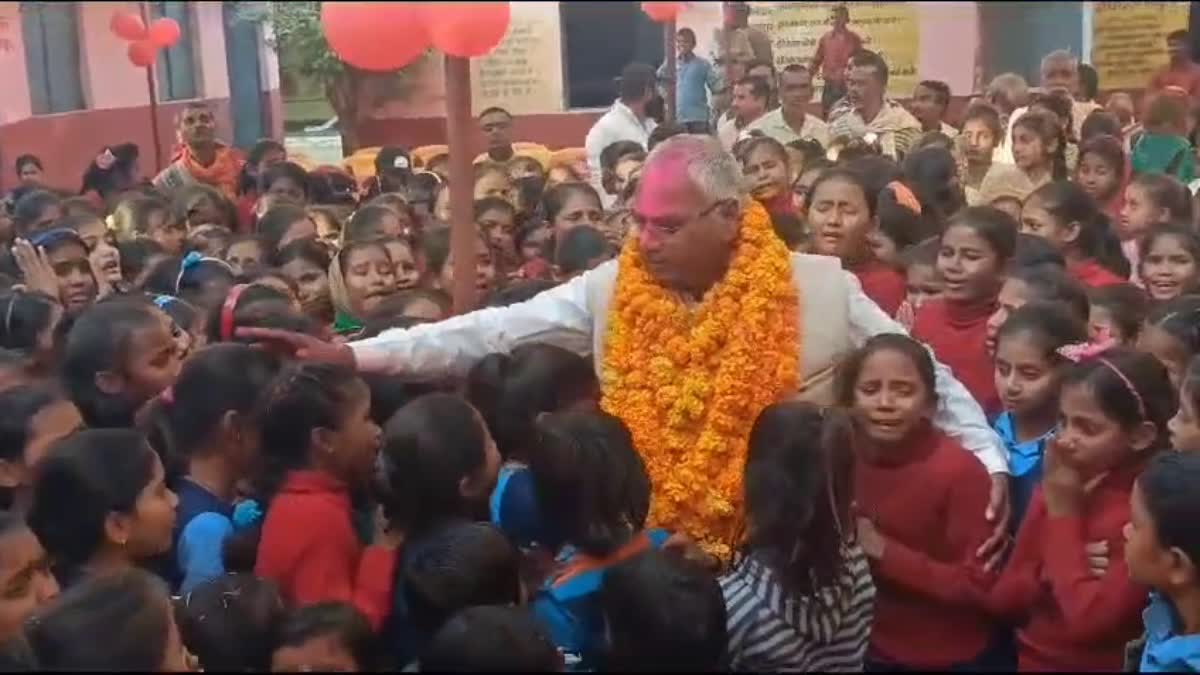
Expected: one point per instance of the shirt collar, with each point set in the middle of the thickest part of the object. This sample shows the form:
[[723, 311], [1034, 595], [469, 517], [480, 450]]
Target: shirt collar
[[1165, 649]]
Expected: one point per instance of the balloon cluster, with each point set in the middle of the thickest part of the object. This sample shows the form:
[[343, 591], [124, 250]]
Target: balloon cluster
[[386, 36], [144, 42], [662, 12]]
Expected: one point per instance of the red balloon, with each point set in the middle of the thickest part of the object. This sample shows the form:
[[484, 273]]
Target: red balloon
[[662, 12], [467, 29], [142, 53], [164, 32], [378, 36], [127, 25]]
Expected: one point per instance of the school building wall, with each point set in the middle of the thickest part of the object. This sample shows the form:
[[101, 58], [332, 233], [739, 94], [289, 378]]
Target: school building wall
[[115, 94]]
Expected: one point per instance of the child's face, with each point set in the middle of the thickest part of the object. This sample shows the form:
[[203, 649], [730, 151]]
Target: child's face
[[1185, 425], [890, 398], [370, 279], [1168, 269], [304, 228], [1163, 346], [1103, 326], [153, 363], [25, 580], [1014, 294], [922, 283], [1029, 152], [1009, 205], [211, 242], [204, 211], [493, 184], [321, 653], [1150, 563], [485, 269], [245, 257], [1039, 222], [1097, 177], [578, 209], [149, 528], [968, 266], [1139, 213], [980, 143], [1088, 440], [840, 220], [884, 247], [533, 244], [1026, 380], [356, 440], [497, 225], [766, 172], [171, 236], [312, 284], [327, 230], [287, 188], [407, 274], [624, 172], [76, 286]]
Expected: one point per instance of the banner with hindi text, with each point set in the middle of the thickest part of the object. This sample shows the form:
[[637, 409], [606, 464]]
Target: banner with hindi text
[[1129, 40]]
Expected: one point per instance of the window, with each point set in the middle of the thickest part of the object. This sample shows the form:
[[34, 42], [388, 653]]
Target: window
[[176, 67], [50, 31], [594, 60]]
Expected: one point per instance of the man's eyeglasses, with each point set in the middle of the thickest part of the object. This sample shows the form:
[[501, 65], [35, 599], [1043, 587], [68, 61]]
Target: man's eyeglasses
[[670, 225]]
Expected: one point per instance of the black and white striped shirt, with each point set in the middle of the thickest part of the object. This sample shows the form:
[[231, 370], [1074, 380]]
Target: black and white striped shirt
[[771, 630]]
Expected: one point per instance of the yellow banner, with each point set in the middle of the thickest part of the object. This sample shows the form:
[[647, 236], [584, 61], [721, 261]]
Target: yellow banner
[[889, 28], [1129, 40]]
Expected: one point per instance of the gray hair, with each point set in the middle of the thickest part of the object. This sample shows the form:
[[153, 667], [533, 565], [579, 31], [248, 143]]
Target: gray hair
[[1010, 87], [710, 168], [1060, 55]]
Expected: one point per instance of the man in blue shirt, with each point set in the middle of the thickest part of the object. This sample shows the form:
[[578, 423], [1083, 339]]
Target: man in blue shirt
[[694, 78]]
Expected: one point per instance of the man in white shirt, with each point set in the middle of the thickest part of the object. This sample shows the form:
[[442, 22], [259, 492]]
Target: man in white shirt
[[791, 121], [626, 120], [749, 104], [689, 206]]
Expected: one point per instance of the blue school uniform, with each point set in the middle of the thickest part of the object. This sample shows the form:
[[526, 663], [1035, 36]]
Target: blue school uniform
[[1166, 651], [203, 522], [1024, 463], [568, 605], [514, 508]]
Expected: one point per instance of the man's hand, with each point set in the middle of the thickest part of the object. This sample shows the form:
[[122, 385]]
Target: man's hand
[[999, 510], [303, 347]]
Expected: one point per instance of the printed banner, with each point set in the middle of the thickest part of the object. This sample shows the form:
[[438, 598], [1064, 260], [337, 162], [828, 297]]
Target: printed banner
[[1129, 40], [889, 28], [524, 74]]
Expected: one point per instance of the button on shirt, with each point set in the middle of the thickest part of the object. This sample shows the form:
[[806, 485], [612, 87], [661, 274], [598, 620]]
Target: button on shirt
[[773, 125], [694, 78]]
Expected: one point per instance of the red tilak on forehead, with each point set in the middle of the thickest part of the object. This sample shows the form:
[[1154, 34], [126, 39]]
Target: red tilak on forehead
[[660, 181]]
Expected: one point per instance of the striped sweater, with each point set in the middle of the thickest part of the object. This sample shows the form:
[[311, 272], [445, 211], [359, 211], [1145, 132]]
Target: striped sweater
[[771, 630]]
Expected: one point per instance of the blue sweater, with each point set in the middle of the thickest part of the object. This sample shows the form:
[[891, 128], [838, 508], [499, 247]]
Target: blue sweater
[[203, 522]]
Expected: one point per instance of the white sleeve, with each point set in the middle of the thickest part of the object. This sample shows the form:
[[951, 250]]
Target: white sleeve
[[958, 414], [559, 316]]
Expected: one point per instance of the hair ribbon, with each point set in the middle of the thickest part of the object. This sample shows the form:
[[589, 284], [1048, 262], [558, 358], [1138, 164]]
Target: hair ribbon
[[227, 309], [905, 197], [1095, 350]]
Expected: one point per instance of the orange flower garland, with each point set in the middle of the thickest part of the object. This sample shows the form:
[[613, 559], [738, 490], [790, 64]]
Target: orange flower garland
[[690, 381]]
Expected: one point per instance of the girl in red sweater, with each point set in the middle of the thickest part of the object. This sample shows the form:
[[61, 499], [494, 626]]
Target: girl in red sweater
[[919, 501], [975, 248], [1064, 214], [842, 214], [319, 445], [1113, 413]]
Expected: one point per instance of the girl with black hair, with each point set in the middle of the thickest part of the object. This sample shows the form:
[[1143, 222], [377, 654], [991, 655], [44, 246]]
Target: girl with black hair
[[497, 220], [29, 323], [919, 500], [1064, 214], [63, 252], [119, 355], [281, 225], [361, 278], [26, 583], [372, 222], [319, 448], [198, 280], [32, 419], [1172, 335], [35, 210], [263, 154], [256, 305], [766, 166], [798, 487], [1185, 425], [491, 637], [101, 504], [1101, 173], [306, 262], [327, 636], [231, 623], [1169, 261], [286, 180], [113, 171]]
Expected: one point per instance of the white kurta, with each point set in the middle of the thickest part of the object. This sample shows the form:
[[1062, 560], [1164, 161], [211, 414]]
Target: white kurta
[[835, 318]]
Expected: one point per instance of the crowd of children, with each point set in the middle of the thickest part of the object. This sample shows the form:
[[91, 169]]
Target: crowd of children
[[177, 498]]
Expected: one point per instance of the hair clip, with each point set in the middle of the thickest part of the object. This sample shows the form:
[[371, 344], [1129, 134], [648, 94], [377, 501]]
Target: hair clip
[[1084, 350], [246, 514], [161, 301], [905, 197]]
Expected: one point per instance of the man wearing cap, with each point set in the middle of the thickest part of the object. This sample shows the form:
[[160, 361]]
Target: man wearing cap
[[393, 168], [626, 120]]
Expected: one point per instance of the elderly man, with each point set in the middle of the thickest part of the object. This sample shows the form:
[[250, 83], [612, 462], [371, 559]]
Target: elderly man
[[866, 86], [704, 276], [791, 121], [201, 158]]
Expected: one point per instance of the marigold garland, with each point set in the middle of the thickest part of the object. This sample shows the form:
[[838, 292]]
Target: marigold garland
[[689, 382]]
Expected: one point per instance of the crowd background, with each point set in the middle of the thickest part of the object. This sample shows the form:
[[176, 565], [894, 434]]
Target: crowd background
[[178, 497]]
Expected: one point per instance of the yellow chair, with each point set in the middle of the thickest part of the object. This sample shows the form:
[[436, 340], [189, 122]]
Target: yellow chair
[[361, 164], [536, 151], [421, 155], [303, 160]]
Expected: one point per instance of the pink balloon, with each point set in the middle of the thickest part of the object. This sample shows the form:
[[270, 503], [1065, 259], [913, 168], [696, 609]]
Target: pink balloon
[[142, 53], [164, 32], [662, 12], [467, 29], [127, 25], [377, 36]]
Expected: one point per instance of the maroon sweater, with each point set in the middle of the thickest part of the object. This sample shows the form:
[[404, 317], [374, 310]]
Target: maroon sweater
[[957, 334], [1069, 619], [881, 283], [927, 497], [1094, 275]]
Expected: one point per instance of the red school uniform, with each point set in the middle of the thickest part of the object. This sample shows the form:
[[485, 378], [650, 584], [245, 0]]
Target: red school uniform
[[957, 334], [1094, 275], [309, 547], [928, 498], [1072, 620], [882, 283]]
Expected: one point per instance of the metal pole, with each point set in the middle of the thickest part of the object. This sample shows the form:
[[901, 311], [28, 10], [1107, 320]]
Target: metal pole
[[669, 48], [462, 230], [152, 87]]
